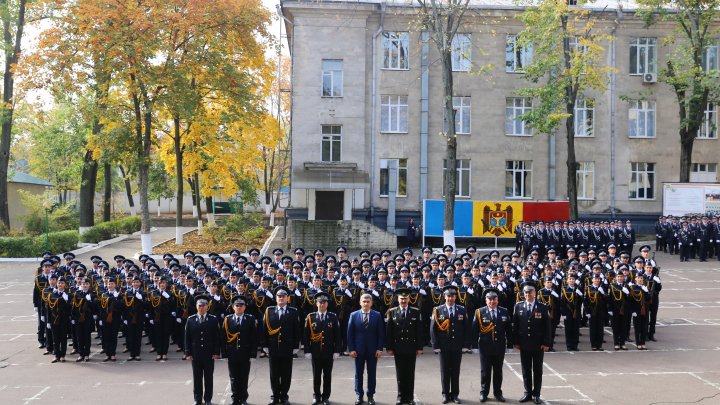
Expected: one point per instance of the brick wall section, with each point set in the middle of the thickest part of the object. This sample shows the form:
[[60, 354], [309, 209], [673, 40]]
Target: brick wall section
[[331, 234]]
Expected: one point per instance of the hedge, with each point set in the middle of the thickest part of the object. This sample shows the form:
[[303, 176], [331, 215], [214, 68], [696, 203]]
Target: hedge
[[34, 246], [108, 230]]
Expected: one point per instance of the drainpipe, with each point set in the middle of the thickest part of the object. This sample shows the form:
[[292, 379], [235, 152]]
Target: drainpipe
[[551, 167], [613, 64], [373, 113], [424, 114]]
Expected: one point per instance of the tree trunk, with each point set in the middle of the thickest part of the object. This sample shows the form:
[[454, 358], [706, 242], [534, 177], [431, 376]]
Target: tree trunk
[[87, 191], [687, 140], [572, 164], [193, 198], [179, 180], [450, 151], [107, 195], [12, 52], [128, 190]]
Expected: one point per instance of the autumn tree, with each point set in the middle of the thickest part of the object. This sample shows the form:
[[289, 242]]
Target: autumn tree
[[567, 52], [691, 69]]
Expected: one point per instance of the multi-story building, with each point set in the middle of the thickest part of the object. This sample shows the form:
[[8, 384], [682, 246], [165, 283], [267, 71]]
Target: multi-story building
[[367, 95]]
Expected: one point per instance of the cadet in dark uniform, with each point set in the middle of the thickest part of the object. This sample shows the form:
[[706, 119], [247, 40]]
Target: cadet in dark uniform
[[531, 335], [447, 333], [82, 314], [202, 348], [404, 340], [59, 305], [280, 339], [323, 342], [240, 338], [492, 327]]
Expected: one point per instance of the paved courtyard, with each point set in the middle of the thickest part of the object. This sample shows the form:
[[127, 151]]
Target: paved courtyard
[[683, 366]]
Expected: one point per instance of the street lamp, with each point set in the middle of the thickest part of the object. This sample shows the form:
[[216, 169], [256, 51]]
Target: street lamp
[[47, 206]]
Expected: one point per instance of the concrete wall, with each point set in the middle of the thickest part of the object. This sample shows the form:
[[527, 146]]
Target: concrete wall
[[331, 234]]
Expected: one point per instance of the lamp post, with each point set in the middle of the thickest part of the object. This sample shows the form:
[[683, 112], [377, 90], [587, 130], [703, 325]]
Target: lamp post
[[46, 205]]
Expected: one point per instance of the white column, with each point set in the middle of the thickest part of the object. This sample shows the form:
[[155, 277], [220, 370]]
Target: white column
[[311, 204], [347, 204]]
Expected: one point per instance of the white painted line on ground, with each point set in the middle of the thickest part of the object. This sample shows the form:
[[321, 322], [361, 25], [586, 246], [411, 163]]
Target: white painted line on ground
[[710, 383], [225, 394], [36, 396]]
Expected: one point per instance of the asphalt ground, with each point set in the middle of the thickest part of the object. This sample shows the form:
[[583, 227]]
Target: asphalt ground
[[682, 367]]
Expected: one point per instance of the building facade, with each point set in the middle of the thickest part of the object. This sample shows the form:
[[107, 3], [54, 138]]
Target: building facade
[[367, 96]]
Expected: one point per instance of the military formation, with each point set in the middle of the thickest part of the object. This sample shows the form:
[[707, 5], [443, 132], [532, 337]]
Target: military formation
[[688, 237], [560, 277]]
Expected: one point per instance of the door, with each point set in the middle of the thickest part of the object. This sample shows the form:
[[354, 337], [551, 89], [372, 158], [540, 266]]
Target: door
[[329, 205]]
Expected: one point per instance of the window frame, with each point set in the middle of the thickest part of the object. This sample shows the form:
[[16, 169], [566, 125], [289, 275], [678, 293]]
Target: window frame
[[712, 47], [460, 169], [384, 161], [331, 73], [461, 52], [585, 170], [331, 139], [650, 62], [708, 126], [401, 43], [513, 171], [638, 107], [399, 108], [648, 173], [522, 57], [583, 110], [459, 107], [524, 109]]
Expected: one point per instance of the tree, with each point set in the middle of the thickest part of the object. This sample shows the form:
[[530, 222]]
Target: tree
[[694, 82], [12, 13], [567, 61], [442, 18]]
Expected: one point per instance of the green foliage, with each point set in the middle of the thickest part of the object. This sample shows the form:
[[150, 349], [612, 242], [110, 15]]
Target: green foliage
[[247, 191], [60, 218], [33, 246], [108, 230], [241, 227]]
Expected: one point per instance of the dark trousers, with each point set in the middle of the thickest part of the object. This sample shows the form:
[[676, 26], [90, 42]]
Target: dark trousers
[[652, 316], [280, 376], [597, 325], [110, 336], [84, 338], [572, 332], [134, 338], [532, 364], [618, 328], [161, 333], [239, 370], [405, 375], [704, 248], [360, 363], [203, 369], [59, 334], [322, 373], [684, 252], [450, 372], [41, 329], [491, 368], [640, 324]]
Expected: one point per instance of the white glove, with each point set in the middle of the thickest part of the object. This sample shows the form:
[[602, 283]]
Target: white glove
[[610, 313], [152, 322], [423, 292], [634, 314], [336, 356], [65, 296], [49, 326], [101, 323], [94, 317], [88, 297], [644, 288], [35, 309], [147, 315], [166, 295], [698, 240], [192, 291], [625, 290], [217, 297], [471, 291], [476, 351], [125, 321], [308, 355], [348, 293], [600, 289], [268, 294], [437, 351], [297, 293], [265, 349], [138, 296], [375, 293], [295, 351], [72, 322], [657, 279], [589, 316], [173, 313], [115, 294], [179, 320]]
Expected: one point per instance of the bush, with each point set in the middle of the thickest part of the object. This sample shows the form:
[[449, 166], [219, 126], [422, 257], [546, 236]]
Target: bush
[[33, 246], [108, 230], [60, 218]]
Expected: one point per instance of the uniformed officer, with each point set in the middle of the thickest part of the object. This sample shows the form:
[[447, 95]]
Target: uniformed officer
[[531, 335], [202, 348], [280, 339], [404, 340], [323, 342], [492, 328], [240, 337], [447, 333]]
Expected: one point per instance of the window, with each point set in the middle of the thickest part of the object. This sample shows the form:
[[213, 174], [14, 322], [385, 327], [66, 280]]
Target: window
[[332, 78], [395, 50], [586, 181], [584, 113], [643, 55], [710, 57], [642, 181], [641, 119], [331, 139], [461, 105], [704, 172], [514, 108], [708, 130], [518, 178], [463, 177], [401, 177], [517, 58], [394, 114], [461, 52]]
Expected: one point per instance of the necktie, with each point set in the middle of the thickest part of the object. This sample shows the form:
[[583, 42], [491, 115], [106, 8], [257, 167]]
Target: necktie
[[322, 317], [452, 312], [281, 313], [202, 318], [366, 321], [402, 316], [492, 313]]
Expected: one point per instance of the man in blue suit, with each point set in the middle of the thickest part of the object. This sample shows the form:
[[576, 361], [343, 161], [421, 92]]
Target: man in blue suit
[[366, 335]]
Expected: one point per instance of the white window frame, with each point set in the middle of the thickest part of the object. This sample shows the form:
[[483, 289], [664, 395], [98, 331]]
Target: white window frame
[[333, 76], [711, 56], [463, 113], [584, 117], [514, 108], [522, 168], [461, 55], [402, 172], [464, 171], [709, 127], [393, 114], [641, 174], [645, 56], [517, 58], [585, 181], [703, 172], [330, 139], [640, 114], [396, 46]]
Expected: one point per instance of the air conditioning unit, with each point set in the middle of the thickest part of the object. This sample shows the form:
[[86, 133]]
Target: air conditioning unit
[[650, 78]]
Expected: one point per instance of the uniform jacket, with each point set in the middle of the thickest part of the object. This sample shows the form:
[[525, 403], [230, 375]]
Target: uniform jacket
[[448, 333], [240, 340], [492, 337], [281, 336], [322, 338], [532, 330], [202, 340], [404, 336]]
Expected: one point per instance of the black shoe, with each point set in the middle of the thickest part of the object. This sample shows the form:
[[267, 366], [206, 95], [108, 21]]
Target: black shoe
[[55, 360], [538, 400], [552, 349], [41, 346], [358, 401], [371, 401], [445, 399], [483, 398], [652, 338], [526, 398], [79, 359], [208, 402], [500, 397], [457, 400], [47, 353]]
